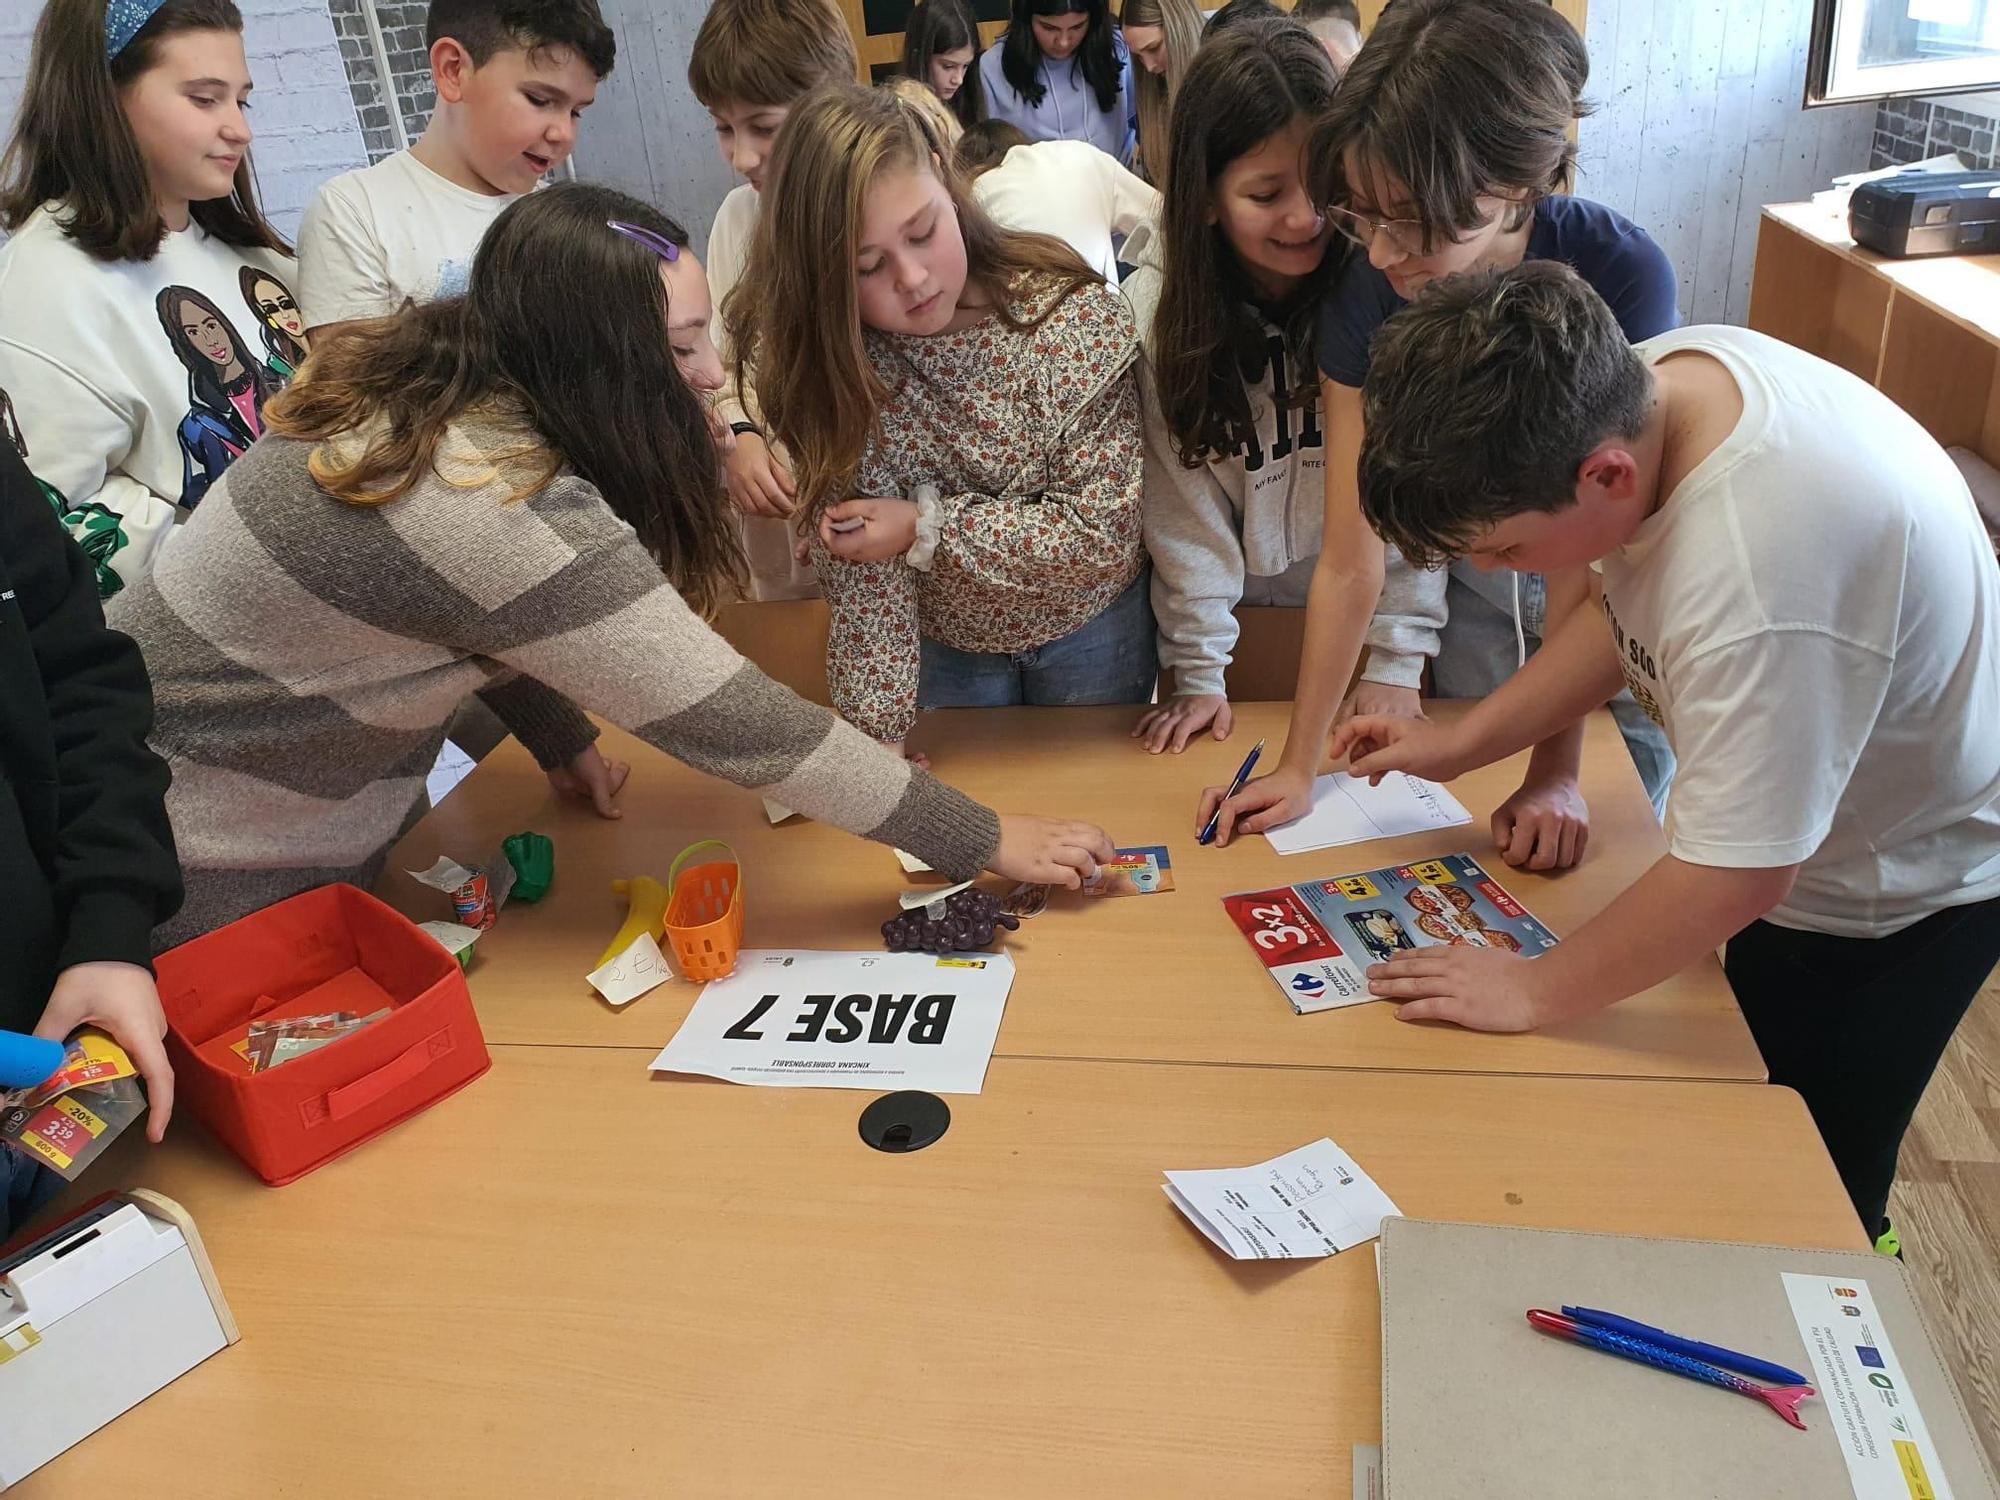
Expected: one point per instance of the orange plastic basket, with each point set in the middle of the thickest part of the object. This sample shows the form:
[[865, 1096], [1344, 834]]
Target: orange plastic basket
[[705, 912]]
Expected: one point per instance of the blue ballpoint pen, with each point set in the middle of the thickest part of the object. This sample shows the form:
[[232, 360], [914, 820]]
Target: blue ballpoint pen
[[1729, 1359], [1236, 785]]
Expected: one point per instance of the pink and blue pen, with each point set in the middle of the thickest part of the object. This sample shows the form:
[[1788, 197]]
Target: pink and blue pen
[[1729, 1359], [1607, 1333]]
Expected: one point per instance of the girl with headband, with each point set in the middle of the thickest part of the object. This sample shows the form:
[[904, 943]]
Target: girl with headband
[[135, 369]]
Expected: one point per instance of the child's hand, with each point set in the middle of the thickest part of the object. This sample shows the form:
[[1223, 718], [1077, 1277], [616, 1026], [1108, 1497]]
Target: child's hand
[[1171, 725], [593, 779], [122, 1000], [887, 529], [1482, 989], [1378, 699], [719, 430], [1264, 803], [1050, 851], [1543, 826], [758, 483], [1376, 746], [916, 758]]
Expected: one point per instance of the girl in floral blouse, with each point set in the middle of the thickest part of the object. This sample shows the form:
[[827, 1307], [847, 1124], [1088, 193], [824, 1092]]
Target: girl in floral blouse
[[962, 408]]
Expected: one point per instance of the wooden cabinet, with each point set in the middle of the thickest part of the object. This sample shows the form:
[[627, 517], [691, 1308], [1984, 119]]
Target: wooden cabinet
[[1926, 332]]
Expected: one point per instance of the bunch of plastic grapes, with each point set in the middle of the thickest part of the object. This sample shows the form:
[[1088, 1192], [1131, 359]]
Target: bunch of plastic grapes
[[969, 921]]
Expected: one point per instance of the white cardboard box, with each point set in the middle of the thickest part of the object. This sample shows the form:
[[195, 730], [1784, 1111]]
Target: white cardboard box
[[97, 1315]]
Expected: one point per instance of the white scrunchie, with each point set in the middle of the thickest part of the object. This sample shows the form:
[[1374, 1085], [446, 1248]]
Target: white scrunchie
[[930, 522]]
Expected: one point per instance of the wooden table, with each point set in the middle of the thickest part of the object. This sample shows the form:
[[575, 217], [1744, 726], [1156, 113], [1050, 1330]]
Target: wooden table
[[572, 1279], [1154, 978]]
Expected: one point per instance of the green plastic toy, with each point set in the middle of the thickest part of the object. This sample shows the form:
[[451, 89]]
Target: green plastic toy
[[534, 860]]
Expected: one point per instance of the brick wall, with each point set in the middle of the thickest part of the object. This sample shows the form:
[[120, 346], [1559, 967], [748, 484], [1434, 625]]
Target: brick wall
[[304, 112], [1909, 130], [406, 89], [364, 78]]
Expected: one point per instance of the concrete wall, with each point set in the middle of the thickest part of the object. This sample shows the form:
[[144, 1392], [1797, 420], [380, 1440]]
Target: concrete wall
[[1700, 124], [648, 134]]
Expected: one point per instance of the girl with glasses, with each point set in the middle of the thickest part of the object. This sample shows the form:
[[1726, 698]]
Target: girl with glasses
[[1447, 149]]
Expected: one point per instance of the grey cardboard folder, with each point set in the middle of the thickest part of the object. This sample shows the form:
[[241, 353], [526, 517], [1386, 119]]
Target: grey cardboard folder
[[1476, 1405]]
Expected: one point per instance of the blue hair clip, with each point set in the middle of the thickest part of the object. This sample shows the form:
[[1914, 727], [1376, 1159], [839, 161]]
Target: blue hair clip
[[658, 243], [123, 20]]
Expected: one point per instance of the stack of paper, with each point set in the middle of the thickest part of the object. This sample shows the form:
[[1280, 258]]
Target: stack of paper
[[1306, 1204]]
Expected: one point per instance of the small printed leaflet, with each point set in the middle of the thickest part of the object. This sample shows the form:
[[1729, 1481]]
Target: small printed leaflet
[[65, 1121], [1144, 871], [1319, 938]]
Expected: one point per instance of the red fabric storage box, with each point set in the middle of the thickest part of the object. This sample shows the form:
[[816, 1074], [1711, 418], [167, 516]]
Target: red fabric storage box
[[336, 948]]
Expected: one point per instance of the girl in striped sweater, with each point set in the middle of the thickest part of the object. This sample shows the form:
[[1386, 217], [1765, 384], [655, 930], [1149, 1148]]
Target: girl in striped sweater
[[515, 493]]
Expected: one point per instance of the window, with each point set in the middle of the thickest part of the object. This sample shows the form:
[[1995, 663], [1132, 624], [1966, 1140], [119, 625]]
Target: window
[[1880, 49]]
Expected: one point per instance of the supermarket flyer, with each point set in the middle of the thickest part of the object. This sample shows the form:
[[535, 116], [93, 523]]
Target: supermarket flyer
[[1319, 938]]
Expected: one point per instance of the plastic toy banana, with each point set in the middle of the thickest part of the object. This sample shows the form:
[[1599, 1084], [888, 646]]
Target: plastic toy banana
[[645, 911]]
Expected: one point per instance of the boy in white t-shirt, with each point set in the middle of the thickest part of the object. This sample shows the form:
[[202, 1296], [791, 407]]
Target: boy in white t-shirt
[[1069, 189], [513, 78], [1796, 585]]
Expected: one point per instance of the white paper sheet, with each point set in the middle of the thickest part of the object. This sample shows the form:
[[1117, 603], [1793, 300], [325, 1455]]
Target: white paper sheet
[[777, 812], [453, 937], [641, 967], [1308, 1203], [911, 864], [802, 1019], [1882, 1435], [1347, 810], [911, 900]]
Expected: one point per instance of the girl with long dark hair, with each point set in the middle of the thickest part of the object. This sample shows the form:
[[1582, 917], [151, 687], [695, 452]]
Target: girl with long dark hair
[[1060, 73], [515, 492], [1447, 149], [941, 51], [1225, 292]]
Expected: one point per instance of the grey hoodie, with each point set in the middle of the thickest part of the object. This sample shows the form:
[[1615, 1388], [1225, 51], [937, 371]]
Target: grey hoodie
[[1246, 529]]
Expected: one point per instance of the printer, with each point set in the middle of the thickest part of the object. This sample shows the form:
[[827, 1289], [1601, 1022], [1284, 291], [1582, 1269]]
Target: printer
[[1927, 213]]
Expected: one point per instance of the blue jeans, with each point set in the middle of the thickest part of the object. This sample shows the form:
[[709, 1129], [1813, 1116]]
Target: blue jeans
[[24, 1187], [1111, 659], [1477, 652]]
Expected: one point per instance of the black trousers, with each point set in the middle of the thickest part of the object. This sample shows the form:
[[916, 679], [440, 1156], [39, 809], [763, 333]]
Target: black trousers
[[1857, 1026]]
